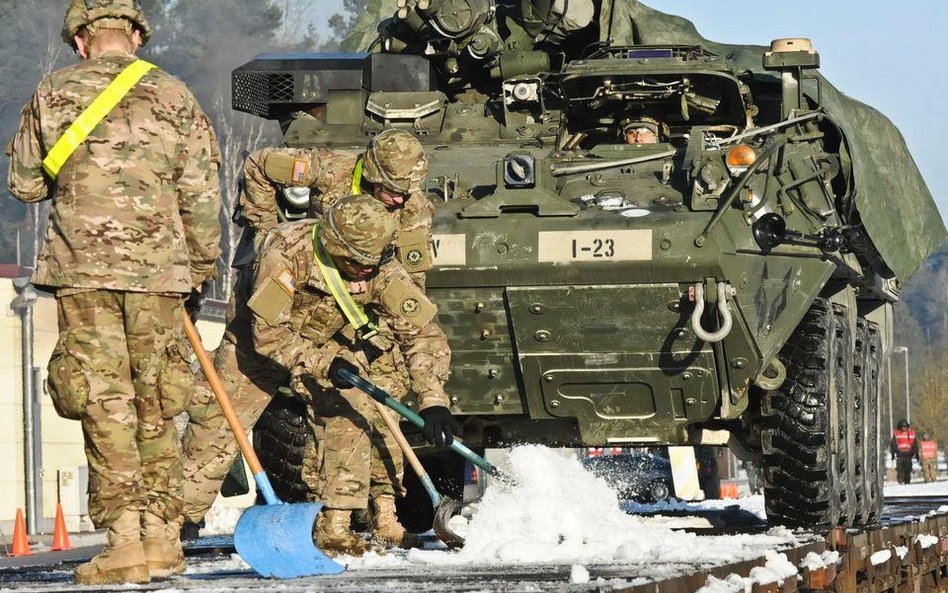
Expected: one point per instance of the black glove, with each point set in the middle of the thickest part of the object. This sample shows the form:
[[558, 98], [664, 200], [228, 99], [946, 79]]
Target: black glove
[[440, 425], [341, 363], [192, 304], [195, 300]]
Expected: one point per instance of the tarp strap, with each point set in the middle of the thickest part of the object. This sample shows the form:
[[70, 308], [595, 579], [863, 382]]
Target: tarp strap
[[100, 107]]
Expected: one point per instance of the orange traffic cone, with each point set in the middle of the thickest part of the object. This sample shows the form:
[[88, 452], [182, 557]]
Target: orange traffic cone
[[21, 545], [60, 534]]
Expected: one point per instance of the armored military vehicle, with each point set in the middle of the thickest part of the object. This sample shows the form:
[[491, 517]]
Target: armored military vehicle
[[730, 283]]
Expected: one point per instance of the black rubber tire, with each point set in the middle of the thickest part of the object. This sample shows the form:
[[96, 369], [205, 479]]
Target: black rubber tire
[[280, 438], [875, 448], [808, 449], [861, 429], [659, 490]]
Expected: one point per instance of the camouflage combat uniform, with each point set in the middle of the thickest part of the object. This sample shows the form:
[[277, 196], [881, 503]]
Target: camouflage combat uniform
[[251, 379], [133, 229], [307, 333]]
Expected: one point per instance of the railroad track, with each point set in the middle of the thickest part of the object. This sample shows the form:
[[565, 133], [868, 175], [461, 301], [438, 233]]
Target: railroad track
[[907, 552]]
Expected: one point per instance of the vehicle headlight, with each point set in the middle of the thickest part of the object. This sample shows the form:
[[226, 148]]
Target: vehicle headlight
[[740, 158]]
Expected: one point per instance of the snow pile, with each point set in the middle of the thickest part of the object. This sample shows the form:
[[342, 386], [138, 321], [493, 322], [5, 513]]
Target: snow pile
[[220, 519], [578, 574], [559, 513], [777, 569], [925, 540]]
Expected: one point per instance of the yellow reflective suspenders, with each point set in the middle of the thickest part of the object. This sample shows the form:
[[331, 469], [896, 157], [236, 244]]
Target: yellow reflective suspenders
[[104, 103], [357, 178], [337, 287]]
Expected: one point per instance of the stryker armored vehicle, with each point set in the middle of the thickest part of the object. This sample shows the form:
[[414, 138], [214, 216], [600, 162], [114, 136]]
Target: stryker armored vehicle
[[730, 284]]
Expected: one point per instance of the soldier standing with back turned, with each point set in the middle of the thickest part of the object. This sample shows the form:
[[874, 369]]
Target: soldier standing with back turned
[[133, 231]]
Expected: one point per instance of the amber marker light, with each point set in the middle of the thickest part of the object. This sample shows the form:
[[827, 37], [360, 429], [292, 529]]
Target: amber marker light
[[741, 157]]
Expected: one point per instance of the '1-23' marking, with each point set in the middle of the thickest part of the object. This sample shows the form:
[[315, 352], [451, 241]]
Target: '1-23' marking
[[597, 248]]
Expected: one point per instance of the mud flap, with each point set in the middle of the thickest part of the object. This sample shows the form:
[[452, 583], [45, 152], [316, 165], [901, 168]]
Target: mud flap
[[684, 472]]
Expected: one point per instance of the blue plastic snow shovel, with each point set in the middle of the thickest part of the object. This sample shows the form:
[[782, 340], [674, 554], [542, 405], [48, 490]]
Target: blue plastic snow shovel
[[275, 539]]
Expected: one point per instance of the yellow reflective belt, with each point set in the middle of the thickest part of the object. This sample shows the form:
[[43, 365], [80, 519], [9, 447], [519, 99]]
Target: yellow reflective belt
[[337, 287], [92, 115], [357, 178]]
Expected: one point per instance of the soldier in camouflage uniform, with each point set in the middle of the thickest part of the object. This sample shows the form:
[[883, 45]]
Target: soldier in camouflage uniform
[[285, 317], [133, 230], [391, 169]]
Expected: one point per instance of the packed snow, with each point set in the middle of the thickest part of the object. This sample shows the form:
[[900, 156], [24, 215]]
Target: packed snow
[[557, 513]]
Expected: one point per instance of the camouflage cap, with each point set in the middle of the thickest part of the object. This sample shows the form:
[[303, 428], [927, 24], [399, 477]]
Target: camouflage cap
[[82, 13], [396, 160], [357, 228]]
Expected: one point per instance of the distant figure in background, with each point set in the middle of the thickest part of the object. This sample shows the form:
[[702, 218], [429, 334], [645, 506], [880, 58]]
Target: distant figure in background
[[903, 448], [929, 457]]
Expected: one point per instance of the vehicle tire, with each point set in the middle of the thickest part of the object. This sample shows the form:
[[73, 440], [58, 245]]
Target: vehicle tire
[[280, 438], [861, 429], [875, 449], [658, 491], [808, 449]]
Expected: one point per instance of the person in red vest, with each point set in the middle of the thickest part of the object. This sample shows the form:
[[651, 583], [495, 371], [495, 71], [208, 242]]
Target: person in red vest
[[903, 448], [929, 450]]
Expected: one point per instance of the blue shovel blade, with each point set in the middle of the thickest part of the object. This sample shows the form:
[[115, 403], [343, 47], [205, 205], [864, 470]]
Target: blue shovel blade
[[276, 540]]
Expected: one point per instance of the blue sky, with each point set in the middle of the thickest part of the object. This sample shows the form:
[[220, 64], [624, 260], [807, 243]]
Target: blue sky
[[887, 54]]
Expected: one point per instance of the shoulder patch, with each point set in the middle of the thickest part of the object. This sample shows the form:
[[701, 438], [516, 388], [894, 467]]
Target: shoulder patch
[[286, 280], [405, 300]]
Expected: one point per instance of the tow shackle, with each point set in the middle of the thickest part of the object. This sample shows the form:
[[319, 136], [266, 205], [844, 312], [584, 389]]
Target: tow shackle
[[724, 293]]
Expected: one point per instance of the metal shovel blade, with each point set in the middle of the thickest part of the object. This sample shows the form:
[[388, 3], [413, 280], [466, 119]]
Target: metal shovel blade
[[446, 509], [276, 540]]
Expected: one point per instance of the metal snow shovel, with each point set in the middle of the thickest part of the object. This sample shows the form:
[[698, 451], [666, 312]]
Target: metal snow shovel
[[347, 375], [445, 507], [275, 539]]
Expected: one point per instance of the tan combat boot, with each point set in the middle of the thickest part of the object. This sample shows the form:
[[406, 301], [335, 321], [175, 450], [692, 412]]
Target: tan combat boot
[[333, 533], [122, 560], [387, 530], [162, 542]]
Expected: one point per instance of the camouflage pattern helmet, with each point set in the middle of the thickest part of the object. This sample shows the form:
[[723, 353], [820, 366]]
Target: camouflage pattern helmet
[[108, 13], [659, 128], [357, 228], [396, 160]]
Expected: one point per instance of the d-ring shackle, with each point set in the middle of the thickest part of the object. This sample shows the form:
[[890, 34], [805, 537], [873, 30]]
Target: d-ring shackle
[[724, 291]]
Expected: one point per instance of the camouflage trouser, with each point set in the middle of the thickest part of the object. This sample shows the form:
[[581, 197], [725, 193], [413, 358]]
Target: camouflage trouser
[[118, 367], [209, 446], [354, 455], [929, 472]]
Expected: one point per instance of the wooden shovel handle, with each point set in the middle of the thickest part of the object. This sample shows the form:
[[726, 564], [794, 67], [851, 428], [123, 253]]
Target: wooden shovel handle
[[218, 388], [401, 440]]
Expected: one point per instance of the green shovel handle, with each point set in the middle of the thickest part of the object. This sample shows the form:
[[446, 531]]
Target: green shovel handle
[[380, 395]]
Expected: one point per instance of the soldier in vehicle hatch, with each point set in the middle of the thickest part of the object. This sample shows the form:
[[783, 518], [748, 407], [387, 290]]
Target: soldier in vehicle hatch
[[133, 231], [642, 130], [391, 169], [288, 325]]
